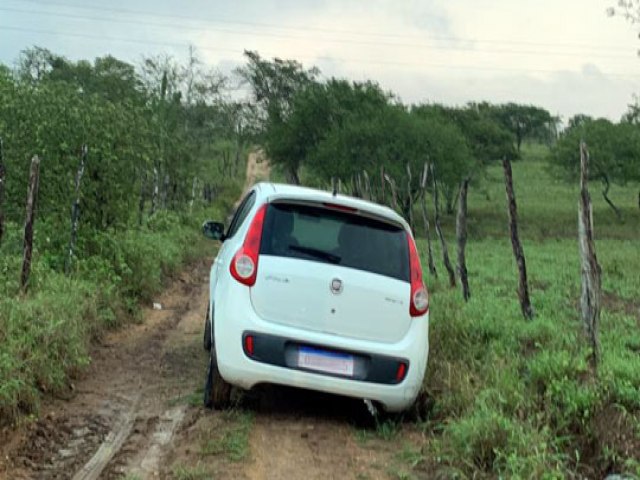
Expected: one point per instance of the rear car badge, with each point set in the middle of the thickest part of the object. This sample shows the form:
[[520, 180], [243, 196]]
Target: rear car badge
[[336, 286]]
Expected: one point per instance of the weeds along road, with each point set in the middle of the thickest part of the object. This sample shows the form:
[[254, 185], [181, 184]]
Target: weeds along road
[[136, 412]]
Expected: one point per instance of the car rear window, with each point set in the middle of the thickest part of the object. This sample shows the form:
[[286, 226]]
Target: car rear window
[[323, 235]]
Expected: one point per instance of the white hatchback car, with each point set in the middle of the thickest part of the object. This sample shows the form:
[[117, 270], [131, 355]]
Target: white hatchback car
[[316, 291]]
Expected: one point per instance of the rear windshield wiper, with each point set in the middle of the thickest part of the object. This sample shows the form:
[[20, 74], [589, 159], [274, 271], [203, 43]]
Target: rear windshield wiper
[[314, 252]]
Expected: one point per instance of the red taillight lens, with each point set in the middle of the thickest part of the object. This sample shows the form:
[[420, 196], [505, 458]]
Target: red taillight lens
[[401, 372], [244, 265], [248, 345], [419, 302]]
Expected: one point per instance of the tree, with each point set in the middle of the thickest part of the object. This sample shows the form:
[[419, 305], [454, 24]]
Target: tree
[[274, 85], [391, 137], [614, 152], [487, 139], [316, 111], [523, 121], [627, 9]]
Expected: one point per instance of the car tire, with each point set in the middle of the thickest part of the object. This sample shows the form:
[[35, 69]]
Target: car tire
[[217, 392], [207, 331]]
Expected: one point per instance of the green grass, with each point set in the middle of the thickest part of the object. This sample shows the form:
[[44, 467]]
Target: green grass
[[193, 399], [516, 399], [45, 333], [183, 472], [232, 439]]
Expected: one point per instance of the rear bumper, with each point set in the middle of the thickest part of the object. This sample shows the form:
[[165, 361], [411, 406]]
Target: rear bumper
[[234, 316], [283, 352]]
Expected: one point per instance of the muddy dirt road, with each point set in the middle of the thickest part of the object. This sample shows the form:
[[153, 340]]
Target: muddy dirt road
[[136, 413]]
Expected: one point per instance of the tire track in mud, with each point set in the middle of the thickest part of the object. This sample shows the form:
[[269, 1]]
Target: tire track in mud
[[122, 416]]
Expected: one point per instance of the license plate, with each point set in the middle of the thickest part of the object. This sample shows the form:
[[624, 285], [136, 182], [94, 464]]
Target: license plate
[[325, 361]]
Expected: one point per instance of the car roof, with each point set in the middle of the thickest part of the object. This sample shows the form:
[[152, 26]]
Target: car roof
[[277, 191]]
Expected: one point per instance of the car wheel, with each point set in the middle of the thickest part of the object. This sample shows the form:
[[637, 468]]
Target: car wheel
[[217, 392], [207, 331]]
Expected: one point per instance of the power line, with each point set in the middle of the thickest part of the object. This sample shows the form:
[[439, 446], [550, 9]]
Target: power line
[[331, 40], [239, 51], [306, 29], [114, 39]]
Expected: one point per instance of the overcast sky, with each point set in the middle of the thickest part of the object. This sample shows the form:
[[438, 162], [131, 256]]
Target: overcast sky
[[565, 55]]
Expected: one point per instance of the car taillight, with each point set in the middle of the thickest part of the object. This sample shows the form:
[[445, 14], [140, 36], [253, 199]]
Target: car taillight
[[249, 345], [244, 265], [419, 302], [401, 372]]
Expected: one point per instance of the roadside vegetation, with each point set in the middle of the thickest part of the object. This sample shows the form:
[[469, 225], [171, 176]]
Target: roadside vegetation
[[164, 149], [517, 398]]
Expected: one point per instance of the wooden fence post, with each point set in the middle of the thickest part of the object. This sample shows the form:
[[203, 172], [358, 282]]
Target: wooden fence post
[[443, 243], [32, 196], [518, 252], [425, 220], [590, 271], [75, 211], [461, 236], [2, 187]]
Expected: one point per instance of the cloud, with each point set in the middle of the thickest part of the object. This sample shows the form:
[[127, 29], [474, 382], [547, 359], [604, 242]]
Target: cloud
[[566, 56]]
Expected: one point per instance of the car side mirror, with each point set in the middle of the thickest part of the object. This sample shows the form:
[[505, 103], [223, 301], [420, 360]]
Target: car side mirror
[[213, 230]]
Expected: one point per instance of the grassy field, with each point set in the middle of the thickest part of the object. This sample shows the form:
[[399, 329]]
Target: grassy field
[[516, 399]]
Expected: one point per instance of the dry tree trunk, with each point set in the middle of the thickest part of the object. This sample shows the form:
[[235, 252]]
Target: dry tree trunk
[[410, 200], [165, 191], [383, 192], [591, 272], [518, 252], [368, 194], [2, 187], [443, 244], [154, 195], [461, 235], [394, 194], [292, 175], [32, 197], [141, 200], [75, 211], [605, 194], [194, 187], [425, 220]]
